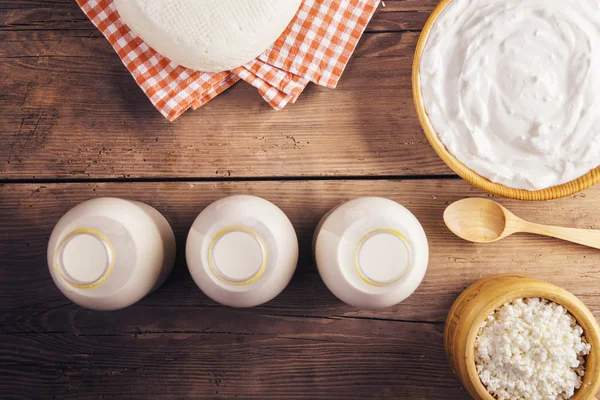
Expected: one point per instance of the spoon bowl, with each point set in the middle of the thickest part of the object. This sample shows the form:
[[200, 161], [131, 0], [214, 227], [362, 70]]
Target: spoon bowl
[[477, 220]]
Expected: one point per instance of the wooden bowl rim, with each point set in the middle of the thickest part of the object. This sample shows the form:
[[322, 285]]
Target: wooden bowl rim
[[520, 289], [566, 189]]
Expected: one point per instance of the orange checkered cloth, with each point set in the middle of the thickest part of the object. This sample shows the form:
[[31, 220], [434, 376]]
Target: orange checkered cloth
[[315, 47]]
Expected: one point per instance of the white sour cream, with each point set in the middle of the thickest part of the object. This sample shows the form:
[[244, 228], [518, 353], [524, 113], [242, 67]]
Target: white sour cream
[[512, 88]]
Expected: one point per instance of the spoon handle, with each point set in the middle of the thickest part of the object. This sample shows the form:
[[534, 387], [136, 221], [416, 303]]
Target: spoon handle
[[586, 237]]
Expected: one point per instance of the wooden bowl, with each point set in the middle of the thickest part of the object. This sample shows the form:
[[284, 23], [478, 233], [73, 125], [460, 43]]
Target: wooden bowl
[[467, 174], [478, 301]]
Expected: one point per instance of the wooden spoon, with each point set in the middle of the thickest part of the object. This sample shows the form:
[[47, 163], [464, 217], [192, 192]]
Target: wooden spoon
[[485, 221]]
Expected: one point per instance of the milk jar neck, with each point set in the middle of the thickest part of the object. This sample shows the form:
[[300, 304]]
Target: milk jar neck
[[237, 255], [383, 257], [84, 258]]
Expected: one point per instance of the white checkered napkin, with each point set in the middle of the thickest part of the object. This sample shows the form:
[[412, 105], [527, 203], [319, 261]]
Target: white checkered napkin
[[276, 98], [171, 88], [214, 91], [318, 43], [276, 86], [281, 80], [316, 47]]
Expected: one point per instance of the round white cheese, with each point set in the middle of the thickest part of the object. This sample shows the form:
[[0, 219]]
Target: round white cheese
[[208, 35]]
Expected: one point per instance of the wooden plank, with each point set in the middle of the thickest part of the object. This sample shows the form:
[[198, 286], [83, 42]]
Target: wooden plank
[[69, 109], [305, 344], [30, 211], [80, 117], [393, 363]]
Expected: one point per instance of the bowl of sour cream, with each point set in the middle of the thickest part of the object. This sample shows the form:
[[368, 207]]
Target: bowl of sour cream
[[507, 94]]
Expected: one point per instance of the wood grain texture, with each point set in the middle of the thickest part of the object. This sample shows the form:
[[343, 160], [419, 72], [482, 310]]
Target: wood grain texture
[[221, 366], [69, 109], [303, 344]]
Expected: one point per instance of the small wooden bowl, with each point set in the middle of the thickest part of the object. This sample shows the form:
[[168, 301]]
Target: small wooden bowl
[[467, 174], [482, 298]]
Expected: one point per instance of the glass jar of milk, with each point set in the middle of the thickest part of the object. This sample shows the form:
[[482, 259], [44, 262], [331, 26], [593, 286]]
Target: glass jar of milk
[[242, 251], [109, 253], [371, 252]]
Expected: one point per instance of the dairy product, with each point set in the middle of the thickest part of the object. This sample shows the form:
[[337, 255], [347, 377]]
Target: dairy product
[[511, 89], [242, 251], [208, 35], [371, 252], [531, 349], [108, 253]]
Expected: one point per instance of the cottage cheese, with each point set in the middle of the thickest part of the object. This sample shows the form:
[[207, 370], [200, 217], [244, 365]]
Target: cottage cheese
[[511, 88], [531, 349]]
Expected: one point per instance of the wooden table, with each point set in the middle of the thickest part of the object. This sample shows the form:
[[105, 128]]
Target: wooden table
[[73, 125]]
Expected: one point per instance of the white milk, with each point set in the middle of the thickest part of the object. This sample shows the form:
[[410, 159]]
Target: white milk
[[108, 253], [371, 252], [242, 251]]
